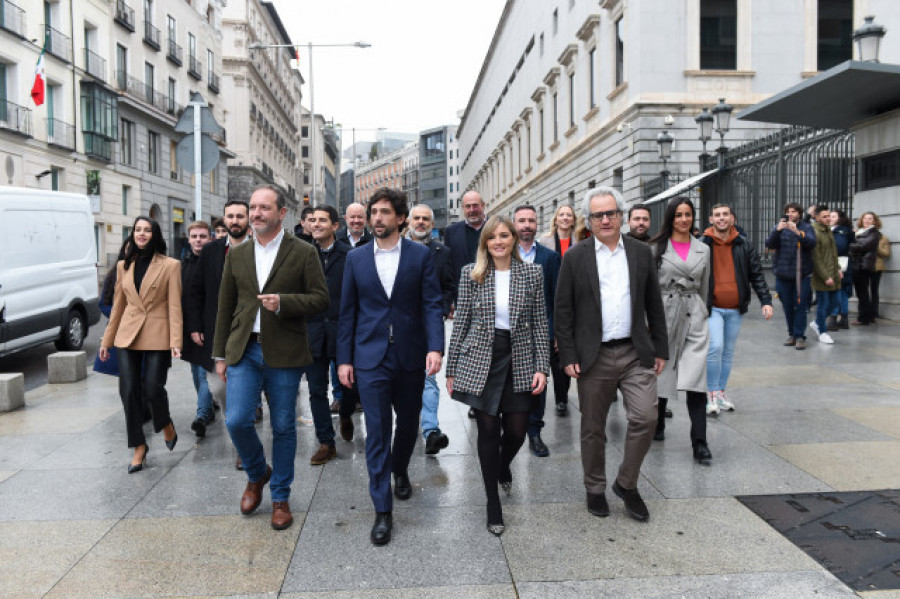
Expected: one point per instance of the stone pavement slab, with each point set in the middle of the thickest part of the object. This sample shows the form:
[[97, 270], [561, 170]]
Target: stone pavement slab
[[848, 466], [884, 419], [154, 557], [485, 591]]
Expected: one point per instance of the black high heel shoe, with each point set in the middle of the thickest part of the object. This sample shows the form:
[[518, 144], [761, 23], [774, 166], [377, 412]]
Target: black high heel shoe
[[505, 480], [132, 468], [171, 444]]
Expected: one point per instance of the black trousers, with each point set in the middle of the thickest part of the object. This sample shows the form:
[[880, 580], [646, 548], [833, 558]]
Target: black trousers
[[151, 390], [561, 380], [866, 283]]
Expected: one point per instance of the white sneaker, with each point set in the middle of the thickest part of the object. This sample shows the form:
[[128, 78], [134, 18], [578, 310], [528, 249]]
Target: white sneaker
[[826, 339], [712, 407], [815, 327], [724, 403]]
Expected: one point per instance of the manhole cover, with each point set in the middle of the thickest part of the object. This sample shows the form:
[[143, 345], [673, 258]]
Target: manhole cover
[[855, 535]]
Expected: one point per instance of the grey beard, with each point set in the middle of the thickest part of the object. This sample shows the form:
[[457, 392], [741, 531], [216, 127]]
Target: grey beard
[[415, 235]]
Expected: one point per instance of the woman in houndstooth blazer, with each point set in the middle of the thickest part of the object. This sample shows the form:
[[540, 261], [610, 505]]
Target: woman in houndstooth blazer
[[499, 353]]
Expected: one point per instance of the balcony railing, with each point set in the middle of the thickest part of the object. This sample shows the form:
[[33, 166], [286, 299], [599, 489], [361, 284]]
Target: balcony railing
[[95, 65], [174, 52], [15, 118], [194, 68], [139, 90], [12, 18], [172, 107], [60, 133], [151, 35], [124, 15], [212, 82], [221, 137], [58, 44]]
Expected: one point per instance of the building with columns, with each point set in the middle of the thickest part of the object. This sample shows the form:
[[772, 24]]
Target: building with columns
[[572, 94]]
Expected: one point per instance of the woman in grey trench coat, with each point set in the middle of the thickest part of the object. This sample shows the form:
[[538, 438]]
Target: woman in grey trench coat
[[684, 267]]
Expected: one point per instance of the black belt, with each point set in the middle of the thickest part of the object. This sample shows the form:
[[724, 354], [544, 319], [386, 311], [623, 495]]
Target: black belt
[[616, 342], [256, 338]]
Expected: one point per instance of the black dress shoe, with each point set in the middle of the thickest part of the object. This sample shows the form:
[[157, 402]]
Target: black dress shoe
[[537, 446], [702, 454], [199, 428], [668, 413], [435, 442], [402, 487], [659, 435], [562, 408], [634, 505], [597, 505], [381, 530]]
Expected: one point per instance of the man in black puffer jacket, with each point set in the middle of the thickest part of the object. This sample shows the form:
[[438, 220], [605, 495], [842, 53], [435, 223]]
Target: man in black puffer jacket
[[735, 269], [793, 241]]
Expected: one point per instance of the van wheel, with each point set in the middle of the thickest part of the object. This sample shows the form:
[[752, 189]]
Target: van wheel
[[73, 333]]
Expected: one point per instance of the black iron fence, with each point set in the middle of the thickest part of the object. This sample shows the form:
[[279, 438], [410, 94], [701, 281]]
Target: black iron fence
[[657, 185], [797, 164]]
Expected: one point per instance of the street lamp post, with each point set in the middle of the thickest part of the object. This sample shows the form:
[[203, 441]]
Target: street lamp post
[[722, 117], [704, 121], [312, 98], [664, 142]]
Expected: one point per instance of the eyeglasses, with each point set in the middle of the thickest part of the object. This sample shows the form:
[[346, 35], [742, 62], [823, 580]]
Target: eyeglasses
[[610, 214]]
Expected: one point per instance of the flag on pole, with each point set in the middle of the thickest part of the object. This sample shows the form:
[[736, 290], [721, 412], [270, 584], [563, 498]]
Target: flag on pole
[[37, 90]]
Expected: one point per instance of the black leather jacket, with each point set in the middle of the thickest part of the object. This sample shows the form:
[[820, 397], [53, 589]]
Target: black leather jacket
[[747, 272]]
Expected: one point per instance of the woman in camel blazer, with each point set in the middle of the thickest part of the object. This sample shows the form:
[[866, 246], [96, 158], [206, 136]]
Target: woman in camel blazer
[[145, 328]]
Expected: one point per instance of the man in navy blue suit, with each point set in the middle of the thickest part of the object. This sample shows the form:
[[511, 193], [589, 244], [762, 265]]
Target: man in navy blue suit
[[390, 335], [525, 222]]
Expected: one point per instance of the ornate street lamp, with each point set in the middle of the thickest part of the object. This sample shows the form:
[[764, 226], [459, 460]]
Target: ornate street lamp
[[868, 40], [722, 118], [704, 121], [664, 145]]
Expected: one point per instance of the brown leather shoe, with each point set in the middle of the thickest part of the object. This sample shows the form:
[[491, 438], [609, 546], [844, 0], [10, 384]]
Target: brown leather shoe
[[281, 515], [253, 493], [323, 455], [335, 407], [347, 428]]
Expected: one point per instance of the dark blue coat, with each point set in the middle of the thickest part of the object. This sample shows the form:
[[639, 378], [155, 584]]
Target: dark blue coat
[[455, 239], [549, 261], [321, 328], [412, 317], [784, 243]]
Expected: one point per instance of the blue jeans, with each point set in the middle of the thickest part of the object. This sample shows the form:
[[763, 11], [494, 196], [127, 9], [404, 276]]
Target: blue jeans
[[204, 397], [724, 326], [246, 380], [317, 379], [430, 398], [336, 392], [794, 312], [828, 300]]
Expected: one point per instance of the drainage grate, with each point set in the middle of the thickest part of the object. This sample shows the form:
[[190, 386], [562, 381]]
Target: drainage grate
[[855, 535]]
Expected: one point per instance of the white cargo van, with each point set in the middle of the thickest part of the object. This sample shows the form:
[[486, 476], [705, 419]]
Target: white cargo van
[[48, 269]]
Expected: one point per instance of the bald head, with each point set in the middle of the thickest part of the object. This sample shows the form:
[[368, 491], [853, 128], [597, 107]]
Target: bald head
[[355, 215], [473, 208]]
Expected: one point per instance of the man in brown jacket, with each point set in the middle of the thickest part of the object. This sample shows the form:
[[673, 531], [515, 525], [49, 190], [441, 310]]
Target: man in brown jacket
[[826, 275], [268, 288]]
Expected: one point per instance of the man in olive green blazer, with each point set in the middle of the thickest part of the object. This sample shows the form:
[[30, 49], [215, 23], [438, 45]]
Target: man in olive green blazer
[[268, 288]]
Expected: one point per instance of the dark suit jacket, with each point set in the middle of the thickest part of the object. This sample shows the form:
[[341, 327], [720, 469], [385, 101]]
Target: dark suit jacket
[[190, 351], [548, 260], [322, 327], [297, 277], [455, 238], [202, 303], [366, 238], [440, 253], [412, 314], [578, 306]]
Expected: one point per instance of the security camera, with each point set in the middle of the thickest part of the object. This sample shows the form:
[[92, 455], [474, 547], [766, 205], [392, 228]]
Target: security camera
[[669, 120], [620, 127]]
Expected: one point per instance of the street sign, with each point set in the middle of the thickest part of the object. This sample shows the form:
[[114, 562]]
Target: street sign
[[209, 153]]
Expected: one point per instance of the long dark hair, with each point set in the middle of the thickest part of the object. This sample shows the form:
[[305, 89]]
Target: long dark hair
[[109, 282], [157, 243], [843, 220], [661, 240]]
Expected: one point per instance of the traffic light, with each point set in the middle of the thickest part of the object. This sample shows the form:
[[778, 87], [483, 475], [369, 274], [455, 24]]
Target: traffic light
[[306, 200]]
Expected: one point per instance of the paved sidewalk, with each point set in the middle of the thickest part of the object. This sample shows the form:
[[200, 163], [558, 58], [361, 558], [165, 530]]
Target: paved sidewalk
[[73, 523]]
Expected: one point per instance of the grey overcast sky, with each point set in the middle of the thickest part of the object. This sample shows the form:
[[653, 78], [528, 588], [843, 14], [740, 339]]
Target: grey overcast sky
[[419, 72]]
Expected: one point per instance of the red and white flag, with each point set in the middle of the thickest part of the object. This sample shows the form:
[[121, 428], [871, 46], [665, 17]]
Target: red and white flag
[[37, 90]]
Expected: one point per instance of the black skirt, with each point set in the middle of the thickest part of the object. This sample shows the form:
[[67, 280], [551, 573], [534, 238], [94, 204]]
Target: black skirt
[[498, 395]]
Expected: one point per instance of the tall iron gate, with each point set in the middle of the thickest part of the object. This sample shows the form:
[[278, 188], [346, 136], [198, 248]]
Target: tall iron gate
[[797, 164]]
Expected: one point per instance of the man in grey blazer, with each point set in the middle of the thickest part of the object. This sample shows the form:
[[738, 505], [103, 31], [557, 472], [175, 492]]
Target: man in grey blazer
[[611, 332]]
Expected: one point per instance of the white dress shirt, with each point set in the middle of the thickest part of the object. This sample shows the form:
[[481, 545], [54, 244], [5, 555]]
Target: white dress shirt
[[615, 290], [530, 255], [386, 263], [501, 299], [264, 256]]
